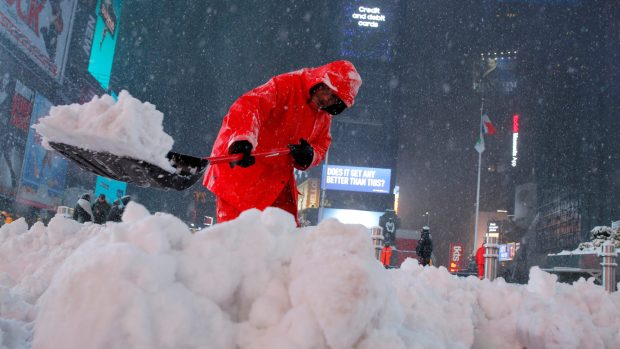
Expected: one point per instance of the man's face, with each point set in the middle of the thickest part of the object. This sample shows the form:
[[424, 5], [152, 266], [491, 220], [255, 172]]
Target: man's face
[[323, 97]]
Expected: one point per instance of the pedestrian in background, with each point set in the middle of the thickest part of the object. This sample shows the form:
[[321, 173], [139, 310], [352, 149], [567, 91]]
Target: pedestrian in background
[[82, 211], [424, 250], [118, 207], [386, 255], [101, 209], [480, 260]]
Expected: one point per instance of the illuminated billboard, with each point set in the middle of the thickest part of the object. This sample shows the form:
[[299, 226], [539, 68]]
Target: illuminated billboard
[[43, 172], [111, 188], [366, 218], [367, 30], [108, 14], [40, 29], [496, 72], [362, 179]]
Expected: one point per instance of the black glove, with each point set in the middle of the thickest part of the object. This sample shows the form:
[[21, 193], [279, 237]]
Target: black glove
[[245, 148], [302, 153]]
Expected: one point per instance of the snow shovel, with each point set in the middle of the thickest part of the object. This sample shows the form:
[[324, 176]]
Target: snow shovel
[[144, 174]]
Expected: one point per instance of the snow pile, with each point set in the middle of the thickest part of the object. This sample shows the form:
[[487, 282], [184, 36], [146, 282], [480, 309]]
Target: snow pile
[[598, 236], [126, 128], [259, 282]]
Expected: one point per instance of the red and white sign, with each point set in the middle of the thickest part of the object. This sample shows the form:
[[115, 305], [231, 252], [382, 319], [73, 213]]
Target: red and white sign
[[456, 257], [41, 29]]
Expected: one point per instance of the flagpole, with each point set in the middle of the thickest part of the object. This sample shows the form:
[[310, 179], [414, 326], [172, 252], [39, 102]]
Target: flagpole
[[478, 185]]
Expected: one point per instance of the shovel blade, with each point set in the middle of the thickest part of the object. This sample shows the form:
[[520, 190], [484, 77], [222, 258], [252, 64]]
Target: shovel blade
[[137, 172]]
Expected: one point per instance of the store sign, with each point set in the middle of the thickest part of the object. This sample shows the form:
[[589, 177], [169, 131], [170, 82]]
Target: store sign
[[456, 257], [40, 29], [363, 179], [493, 230]]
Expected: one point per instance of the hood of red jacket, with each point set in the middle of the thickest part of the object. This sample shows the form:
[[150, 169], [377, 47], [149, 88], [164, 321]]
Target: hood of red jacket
[[340, 76]]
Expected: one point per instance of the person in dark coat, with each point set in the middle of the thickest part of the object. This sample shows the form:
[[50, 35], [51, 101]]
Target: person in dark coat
[[424, 250], [82, 211], [389, 222], [101, 208], [118, 207]]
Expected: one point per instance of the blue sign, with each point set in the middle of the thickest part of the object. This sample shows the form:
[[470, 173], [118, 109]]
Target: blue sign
[[111, 188], [349, 178], [104, 40]]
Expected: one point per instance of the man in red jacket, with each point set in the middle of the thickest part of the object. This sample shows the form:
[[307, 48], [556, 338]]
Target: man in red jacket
[[480, 260], [291, 110]]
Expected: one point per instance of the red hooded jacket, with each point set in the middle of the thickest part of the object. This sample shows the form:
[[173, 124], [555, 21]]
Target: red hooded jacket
[[272, 116], [480, 255]]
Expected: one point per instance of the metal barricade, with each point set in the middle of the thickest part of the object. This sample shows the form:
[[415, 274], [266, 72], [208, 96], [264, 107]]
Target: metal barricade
[[608, 265], [377, 240], [490, 258]]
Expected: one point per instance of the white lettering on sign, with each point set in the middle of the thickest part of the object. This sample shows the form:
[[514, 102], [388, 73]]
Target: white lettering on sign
[[515, 138], [368, 16], [88, 34], [456, 253]]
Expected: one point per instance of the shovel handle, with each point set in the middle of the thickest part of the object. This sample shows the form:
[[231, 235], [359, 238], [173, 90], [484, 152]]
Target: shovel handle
[[237, 157]]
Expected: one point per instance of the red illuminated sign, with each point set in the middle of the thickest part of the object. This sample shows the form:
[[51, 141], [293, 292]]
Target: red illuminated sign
[[515, 123]]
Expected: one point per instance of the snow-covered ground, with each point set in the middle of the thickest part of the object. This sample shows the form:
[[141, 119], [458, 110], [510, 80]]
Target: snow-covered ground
[[259, 282]]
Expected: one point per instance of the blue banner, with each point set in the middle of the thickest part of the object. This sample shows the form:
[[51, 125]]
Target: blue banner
[[104, 41], [43, 173], [363, 179], [111, 188]]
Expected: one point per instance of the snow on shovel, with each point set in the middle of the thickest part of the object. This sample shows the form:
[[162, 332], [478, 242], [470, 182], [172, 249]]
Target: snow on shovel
[[124, 140]]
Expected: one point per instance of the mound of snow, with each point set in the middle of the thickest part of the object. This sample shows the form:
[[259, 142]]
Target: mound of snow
[[260, 282]]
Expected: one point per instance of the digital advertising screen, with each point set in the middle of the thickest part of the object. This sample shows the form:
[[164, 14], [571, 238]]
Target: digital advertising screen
[[43, 173], [361, 179], [366, 218], [367, 30], [40, 29], [108, 15], [112, 189]]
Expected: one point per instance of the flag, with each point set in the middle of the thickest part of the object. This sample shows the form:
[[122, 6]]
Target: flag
[[487, 125], [486, 128], [480, 144]]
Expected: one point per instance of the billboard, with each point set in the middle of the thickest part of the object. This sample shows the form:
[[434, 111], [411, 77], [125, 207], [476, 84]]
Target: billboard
[[43, 172], [362, 179], [367, 30], [111, 188], [40, 29], [108, 13], [496, 72], [507, 251], [21, 106], [366, 218]]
